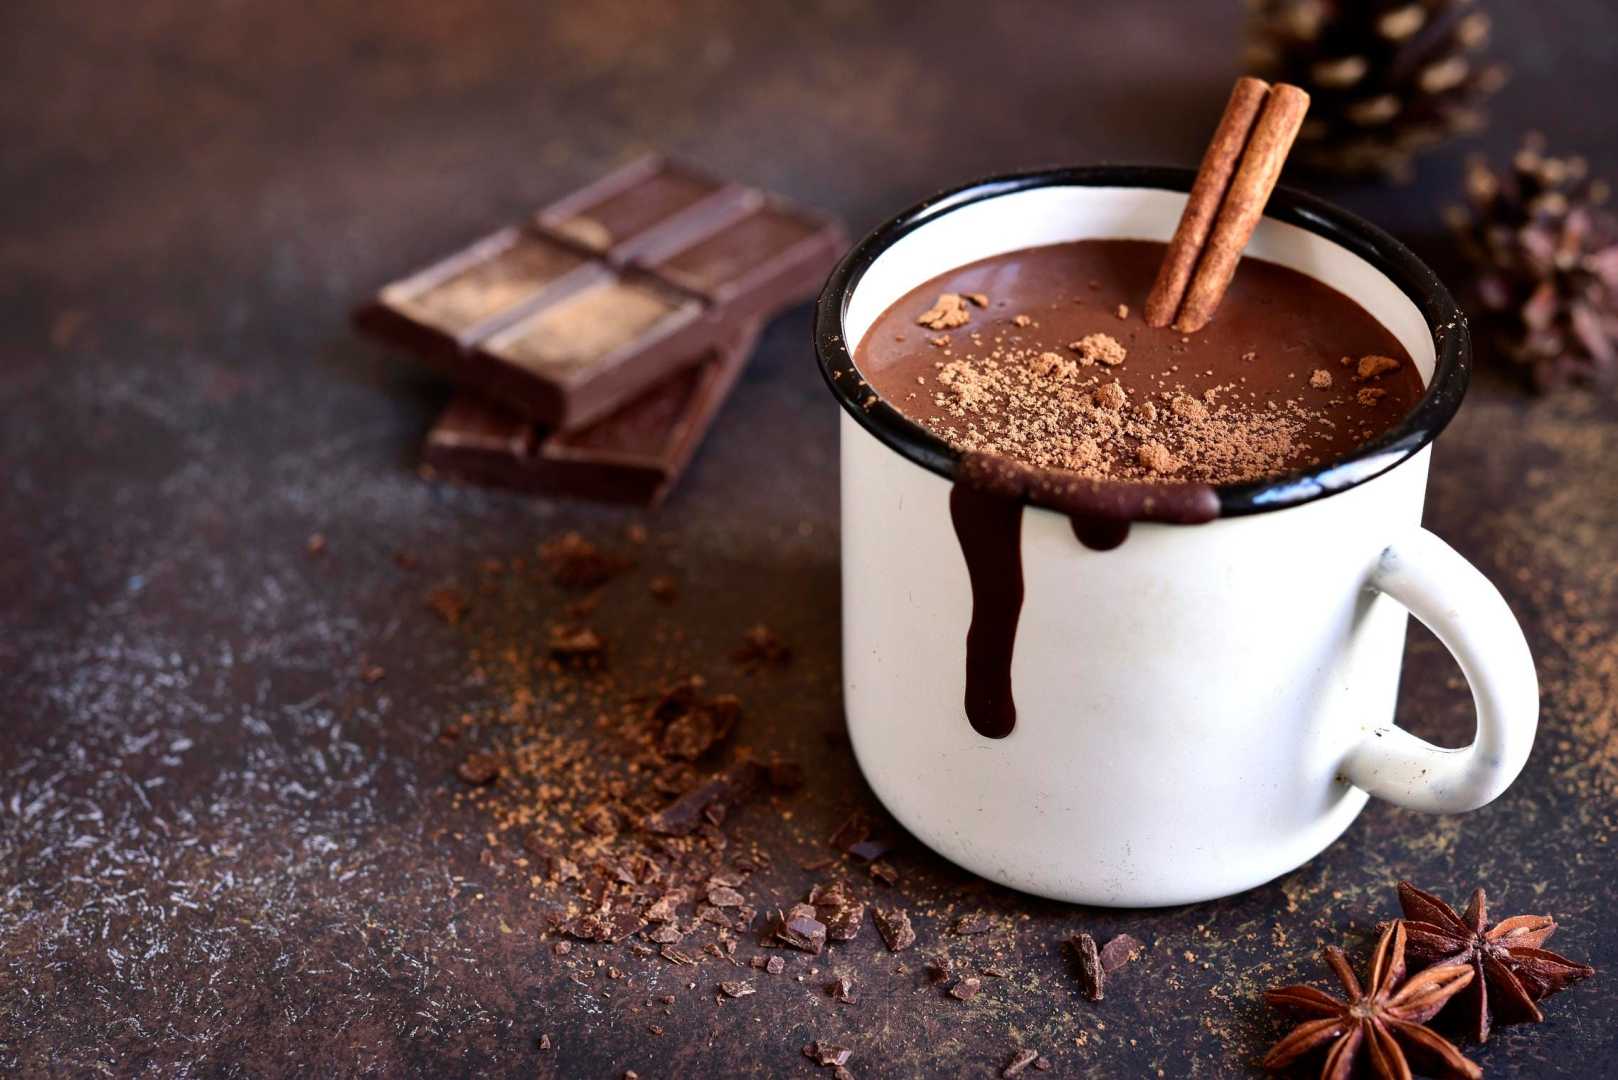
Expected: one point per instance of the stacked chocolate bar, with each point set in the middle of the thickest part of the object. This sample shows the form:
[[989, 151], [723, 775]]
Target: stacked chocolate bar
[[594, 343]]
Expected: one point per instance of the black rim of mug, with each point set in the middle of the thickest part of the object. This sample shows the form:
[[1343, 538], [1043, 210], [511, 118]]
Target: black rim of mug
[[1451, 340]]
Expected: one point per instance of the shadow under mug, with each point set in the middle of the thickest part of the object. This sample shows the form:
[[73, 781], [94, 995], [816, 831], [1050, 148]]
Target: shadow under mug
[[1204, 707]]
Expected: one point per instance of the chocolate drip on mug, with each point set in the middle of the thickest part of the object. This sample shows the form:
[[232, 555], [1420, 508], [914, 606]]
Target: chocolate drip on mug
[[986, 505], [989, 528], [1098, 533]]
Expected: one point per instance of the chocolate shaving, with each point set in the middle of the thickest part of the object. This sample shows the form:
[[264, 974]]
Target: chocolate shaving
[[677, 955], [966, 989], [1087, 965], [1019, 1062]]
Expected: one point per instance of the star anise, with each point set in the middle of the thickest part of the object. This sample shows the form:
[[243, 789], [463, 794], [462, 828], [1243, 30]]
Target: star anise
[[1510, 970], [1380, 1027]]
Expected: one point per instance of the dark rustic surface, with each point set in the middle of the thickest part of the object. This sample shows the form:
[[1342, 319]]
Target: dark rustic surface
[[224, 852]]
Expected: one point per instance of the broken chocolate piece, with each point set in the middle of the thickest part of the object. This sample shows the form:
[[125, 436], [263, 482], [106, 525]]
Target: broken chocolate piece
[[723, 896], [1087, 965], [894, 925], [856, 828], [868, 850], [691, 724], [966, 989], [729, 788], [975, 923], [843, 923], [1120, 951], [479, 768], [842, 991], [576, 646], [737, 989], [801, 930], [827, 1054]]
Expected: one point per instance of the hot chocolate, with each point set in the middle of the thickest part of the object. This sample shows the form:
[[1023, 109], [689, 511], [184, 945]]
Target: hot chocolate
[[1037, 355]]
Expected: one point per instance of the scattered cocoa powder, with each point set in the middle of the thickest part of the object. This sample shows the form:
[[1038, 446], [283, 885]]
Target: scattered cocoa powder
[[1100, 348], [1371, 367], [1111, 396], [1040, 407]]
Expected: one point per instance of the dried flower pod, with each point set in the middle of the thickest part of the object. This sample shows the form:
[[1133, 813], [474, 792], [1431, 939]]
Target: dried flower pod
[[1545, 249], [1387, 80]]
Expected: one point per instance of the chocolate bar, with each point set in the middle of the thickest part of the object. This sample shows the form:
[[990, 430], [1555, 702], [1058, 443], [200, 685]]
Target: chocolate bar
[[569, 315], [632, 455]]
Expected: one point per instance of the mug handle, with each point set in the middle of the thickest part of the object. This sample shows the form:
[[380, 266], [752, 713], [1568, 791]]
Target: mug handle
[[1467, 614]]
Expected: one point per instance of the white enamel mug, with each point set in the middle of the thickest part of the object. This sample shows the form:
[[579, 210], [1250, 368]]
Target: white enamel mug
[[1205, 707]]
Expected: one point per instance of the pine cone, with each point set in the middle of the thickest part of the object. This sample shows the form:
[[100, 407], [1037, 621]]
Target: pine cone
[[1388, 78], [1546, 252]]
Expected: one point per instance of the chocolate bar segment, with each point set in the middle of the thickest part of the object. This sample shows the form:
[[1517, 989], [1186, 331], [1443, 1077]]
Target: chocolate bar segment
[[608, 291], [465, 297], [628, 211], [576, 357], [751, 257], [633, 455]]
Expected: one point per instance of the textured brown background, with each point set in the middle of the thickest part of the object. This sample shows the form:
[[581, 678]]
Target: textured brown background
[[223, 853]]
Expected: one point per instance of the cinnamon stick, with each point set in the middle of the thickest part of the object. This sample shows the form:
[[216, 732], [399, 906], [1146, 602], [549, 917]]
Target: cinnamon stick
[[1218, 166], [1243, 205]]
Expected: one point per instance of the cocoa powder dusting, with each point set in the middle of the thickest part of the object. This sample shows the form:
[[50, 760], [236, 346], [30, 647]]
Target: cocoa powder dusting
[[1064, 385]]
